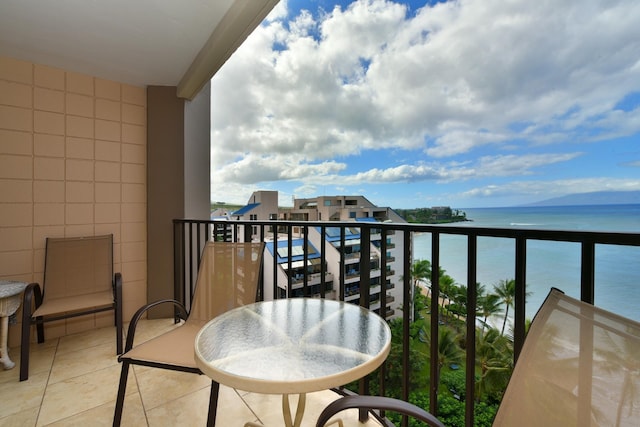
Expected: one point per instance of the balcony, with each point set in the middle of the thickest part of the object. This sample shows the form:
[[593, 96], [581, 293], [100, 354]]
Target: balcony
[[437, 316], [74, 380]]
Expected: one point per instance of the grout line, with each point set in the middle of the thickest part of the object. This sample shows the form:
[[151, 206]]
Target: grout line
[[46, 385]]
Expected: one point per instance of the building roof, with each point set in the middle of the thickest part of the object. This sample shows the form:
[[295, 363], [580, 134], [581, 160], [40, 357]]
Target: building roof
[[243, 210], [142, 42], [297, 251], [367, 219]]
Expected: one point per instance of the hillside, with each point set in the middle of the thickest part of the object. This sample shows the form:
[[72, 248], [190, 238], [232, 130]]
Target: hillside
[[593, 198]]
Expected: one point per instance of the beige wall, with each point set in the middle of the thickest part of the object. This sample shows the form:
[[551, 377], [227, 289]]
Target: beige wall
[[72, 162]]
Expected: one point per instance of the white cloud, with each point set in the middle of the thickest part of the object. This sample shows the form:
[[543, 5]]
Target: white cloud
[[458, 78]]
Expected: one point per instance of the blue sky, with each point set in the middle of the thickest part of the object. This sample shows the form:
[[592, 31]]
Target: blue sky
[[470, 103]]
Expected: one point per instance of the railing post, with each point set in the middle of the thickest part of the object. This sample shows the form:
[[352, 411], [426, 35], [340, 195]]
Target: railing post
[[435, 317], [520, 296], [275, 264], [342, 264], [472, 296], [365, 299], [178, 265], [406, 321], [323, 261], [587, 276]]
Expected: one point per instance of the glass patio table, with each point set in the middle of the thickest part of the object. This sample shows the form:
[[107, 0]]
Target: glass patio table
[[292, 346]]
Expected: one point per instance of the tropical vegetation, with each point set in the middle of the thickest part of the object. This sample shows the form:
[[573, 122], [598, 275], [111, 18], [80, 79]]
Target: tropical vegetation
[[494, 348]]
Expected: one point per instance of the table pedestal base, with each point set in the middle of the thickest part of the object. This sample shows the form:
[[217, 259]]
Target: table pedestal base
[[289, 421]]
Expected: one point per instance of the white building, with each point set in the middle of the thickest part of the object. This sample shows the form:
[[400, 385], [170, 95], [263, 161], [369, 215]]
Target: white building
[[343, 254]]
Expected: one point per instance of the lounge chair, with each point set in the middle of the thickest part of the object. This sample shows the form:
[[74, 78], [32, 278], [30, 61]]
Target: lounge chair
[[228, 277], [579, 366], [78, 280]]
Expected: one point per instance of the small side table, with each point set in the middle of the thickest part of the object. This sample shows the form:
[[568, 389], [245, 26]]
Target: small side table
[[10, 292]]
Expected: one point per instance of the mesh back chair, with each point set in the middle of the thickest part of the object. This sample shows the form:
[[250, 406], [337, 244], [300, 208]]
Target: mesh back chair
[[78, 280], [228, 277], [579, 366]]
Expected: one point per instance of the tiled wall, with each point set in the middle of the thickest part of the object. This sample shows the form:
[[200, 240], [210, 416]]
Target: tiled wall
[[72, 162]]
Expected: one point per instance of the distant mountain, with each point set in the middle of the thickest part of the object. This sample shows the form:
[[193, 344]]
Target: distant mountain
[[593, 198]]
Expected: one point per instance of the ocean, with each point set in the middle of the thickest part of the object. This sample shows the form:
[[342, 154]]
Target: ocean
[[549, 264]]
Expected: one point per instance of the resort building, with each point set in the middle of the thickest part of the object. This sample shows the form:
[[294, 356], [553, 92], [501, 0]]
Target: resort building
[[343, 254], [339, 208]]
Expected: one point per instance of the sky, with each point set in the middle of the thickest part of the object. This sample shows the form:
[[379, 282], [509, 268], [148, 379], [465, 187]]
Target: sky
[[469, 103]]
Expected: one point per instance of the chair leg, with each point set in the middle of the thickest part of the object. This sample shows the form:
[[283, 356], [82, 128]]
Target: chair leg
[[213, 404], [40, 330], [25, 339], [117, 415]]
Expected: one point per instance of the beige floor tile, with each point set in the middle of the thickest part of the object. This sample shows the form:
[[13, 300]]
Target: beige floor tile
[[159, 386], [79, 394], [133, 415], [26, 418], [40, 361], [192, 410], [82, 361], [18, 396], [87, 339]]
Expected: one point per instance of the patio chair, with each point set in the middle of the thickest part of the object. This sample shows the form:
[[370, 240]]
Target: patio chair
[[78, 281], [579, 366], [228, 277]]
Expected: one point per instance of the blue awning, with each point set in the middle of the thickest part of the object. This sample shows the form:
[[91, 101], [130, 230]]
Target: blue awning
[[243, 210]]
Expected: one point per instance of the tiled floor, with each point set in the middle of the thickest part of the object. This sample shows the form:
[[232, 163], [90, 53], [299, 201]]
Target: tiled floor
[[74, 380]]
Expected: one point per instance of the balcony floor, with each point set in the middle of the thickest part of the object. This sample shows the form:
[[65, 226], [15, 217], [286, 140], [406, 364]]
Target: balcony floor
[[74, 380]]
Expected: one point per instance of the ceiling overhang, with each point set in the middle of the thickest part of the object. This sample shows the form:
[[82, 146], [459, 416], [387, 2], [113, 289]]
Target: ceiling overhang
[[142, 42]]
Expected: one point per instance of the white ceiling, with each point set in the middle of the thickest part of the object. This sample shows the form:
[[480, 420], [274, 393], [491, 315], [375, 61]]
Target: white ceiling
[[140, 42]]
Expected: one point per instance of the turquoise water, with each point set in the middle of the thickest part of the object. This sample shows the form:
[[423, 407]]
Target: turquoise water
[[550, 263]]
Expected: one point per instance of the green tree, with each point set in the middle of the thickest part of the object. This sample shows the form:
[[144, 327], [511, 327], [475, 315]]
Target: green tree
[[506, 291], [417, 359], [488, 305], [420, 271], [494, 363], [449, 352]]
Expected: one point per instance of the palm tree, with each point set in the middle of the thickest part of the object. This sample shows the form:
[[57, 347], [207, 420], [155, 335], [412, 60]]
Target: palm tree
[[494, 360], [420, 270], [449, 352], [506, 291], [447, 286], [488, 305]]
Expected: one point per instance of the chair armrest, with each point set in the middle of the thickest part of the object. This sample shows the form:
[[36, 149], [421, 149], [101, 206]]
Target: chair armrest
[[32, 289], [182, 313], [377, 402]]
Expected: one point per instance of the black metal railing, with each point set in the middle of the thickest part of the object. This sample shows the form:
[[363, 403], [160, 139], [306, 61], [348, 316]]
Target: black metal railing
[[190, 236]]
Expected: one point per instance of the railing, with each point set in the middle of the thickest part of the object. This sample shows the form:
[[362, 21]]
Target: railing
[[190, 235]]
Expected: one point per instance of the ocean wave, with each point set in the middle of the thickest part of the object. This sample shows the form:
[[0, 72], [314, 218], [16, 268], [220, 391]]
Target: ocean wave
[[524, 224]]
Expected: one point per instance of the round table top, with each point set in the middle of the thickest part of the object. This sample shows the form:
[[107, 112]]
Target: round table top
[[9, 288], [296, 345]]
